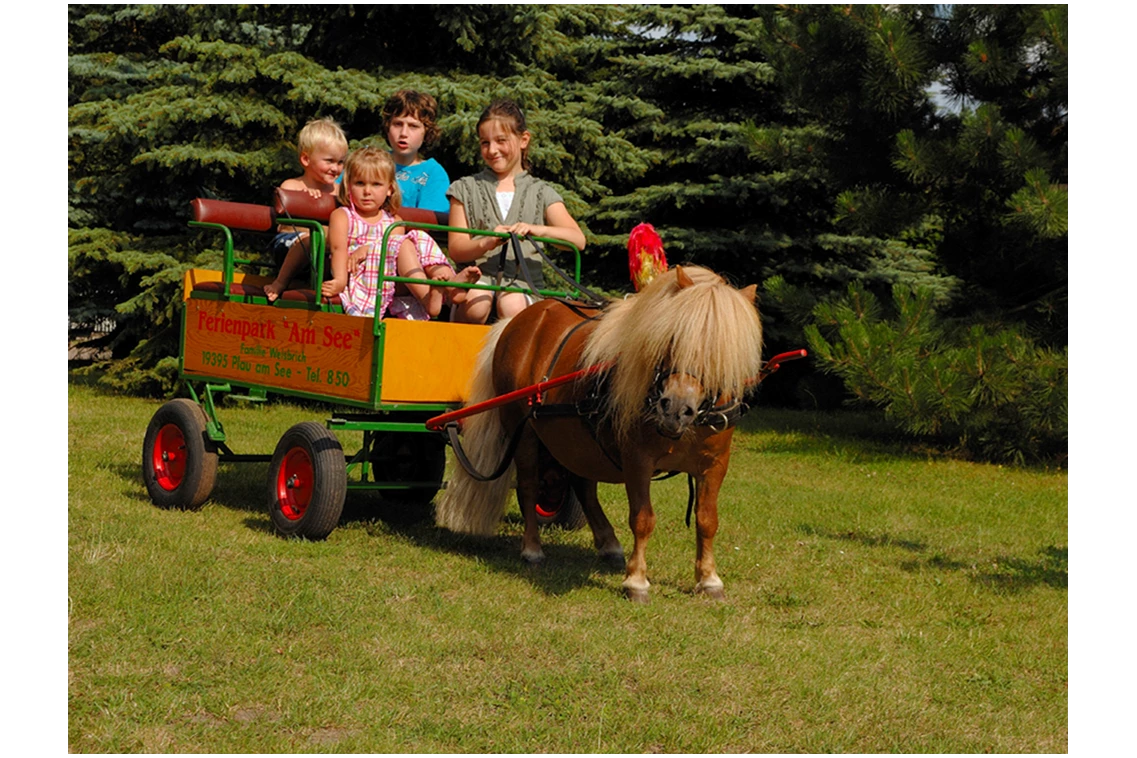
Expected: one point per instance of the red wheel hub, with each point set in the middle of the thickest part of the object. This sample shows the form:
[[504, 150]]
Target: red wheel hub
[[294, 484], [169, 457]]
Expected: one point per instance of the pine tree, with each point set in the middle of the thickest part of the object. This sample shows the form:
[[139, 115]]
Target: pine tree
[[171, 103], [977, 196], [991, 391], [701, 76], [765, 121]]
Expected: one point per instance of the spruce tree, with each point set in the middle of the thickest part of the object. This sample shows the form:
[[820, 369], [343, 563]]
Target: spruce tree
[[977, 193], [765, 121], [171, 103]]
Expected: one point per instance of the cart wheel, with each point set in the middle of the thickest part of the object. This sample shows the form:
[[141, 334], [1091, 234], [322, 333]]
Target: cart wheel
[[408, 457], [307, 482], [556, 502], [179, 463]]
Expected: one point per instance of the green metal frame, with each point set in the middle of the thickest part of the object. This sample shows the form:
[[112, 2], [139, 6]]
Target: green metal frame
[[474, 286], [375, 418], [317, 239]]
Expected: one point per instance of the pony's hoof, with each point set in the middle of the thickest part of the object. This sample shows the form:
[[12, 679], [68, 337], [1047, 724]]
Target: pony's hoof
[[636, 595], [533, 559], [714, 593], [614, 561]]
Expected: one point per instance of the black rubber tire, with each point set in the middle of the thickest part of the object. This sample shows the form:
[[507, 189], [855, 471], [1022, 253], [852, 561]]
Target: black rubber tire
[[408, 457], [556, 501], [569, 516], [307, 482], [179, 463]]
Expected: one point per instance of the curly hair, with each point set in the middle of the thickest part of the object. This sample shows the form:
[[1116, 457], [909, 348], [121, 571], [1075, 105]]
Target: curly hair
[[409, 102]]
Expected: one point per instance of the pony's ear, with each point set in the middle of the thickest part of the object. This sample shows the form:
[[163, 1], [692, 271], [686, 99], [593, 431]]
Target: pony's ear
[[750, 293], [683, 279]]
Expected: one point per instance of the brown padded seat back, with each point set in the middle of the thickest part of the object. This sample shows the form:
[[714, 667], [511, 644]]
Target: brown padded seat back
[[421, 215], [246, 216], [308, 296], [299, 204], [237, 288]]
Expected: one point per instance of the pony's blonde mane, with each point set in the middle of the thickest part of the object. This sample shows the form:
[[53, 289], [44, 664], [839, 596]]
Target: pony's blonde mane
[[707, 329]]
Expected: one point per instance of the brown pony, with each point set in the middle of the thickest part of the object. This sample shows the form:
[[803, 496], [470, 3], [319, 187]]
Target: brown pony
[[676, 355]]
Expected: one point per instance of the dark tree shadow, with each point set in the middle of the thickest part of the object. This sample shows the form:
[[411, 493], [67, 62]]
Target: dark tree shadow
[[884, 539], [1004, 573], [1011, 574], [242, 487]]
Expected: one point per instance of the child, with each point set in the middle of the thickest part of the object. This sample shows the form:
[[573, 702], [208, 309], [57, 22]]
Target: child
[[322, 146], [370, 196], [504, 198], [409, 122]]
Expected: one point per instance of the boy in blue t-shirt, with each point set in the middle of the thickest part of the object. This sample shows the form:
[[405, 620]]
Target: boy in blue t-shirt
[[409, 119]]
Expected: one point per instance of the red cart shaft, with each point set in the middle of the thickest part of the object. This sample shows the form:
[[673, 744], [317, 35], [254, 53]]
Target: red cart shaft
[[438, 423]]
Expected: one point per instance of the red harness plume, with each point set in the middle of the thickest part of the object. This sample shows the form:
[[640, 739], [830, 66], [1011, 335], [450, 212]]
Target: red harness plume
[[645, 255]]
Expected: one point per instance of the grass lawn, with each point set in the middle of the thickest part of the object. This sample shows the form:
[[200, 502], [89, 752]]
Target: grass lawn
[[879, 600]]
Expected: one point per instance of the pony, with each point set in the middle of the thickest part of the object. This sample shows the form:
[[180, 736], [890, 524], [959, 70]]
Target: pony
[[672, 367]]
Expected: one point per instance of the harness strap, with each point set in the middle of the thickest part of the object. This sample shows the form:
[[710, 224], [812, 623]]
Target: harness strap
[[460, 454], [692, 498], [718, 417], [721, 417], [592, 296], [565, 339]]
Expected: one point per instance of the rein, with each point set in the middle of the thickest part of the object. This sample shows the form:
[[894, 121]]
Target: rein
[[593, 300]]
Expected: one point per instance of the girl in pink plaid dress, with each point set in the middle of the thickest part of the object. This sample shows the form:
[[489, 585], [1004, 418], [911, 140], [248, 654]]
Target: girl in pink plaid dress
[[370, 197]]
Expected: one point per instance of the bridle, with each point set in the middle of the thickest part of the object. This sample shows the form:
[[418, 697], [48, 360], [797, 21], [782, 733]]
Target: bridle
[[718, 416]]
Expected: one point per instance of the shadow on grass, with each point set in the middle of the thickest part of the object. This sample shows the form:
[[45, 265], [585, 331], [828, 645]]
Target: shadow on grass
[[883, 539], [1010, 574], [1007, 574], [566, 567], [242, 488]]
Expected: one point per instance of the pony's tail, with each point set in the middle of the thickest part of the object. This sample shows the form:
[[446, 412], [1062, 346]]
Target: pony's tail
[[468, 505]]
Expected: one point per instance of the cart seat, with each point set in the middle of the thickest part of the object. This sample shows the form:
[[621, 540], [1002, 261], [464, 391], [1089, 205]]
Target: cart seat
[[244, 289], [308, 296], [299, 204], [249, 217], [244, 216]]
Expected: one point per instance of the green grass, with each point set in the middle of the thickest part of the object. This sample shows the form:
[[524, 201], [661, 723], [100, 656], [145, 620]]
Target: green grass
[[878, 601]]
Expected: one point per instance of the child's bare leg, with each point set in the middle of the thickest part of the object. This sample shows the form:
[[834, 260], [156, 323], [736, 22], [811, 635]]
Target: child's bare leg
[[511, 303], [297, 254], [438, 295], [408, 265], [475, 309]]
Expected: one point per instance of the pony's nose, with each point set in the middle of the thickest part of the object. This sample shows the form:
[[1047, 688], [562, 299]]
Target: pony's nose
[[675, 415], [678, 409]]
